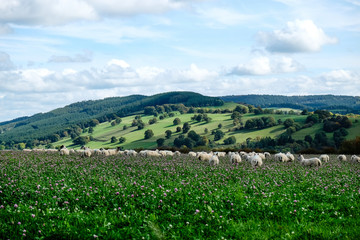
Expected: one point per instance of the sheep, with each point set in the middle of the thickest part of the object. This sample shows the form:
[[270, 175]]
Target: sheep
[[214, 160], [290, 157], [281, 157], [204, 156], [72, 151], [267, 155], [256, 160], [235, 158], [311, 162], [192, 154], [324, 158], [86, 152], [177, 153], [64, 151], [355, 159], [220, 154], [262, 156], [341, 157]]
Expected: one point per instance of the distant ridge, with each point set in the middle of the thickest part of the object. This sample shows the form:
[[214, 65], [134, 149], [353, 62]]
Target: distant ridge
[[341, 104]]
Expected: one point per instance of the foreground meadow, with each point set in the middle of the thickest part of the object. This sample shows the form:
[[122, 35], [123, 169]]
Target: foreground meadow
[[47, 196]]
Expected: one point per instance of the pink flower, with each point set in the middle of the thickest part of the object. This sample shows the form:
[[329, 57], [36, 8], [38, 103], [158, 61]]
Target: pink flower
[[197, 211], [15, 206], [33, 215], [117, 193], [19, 223]]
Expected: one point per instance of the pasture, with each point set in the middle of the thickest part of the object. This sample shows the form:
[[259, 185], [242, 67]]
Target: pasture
[[48, 196]]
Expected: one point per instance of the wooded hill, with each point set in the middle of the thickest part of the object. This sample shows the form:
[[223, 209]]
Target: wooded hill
[[42, 125], [335, 104]]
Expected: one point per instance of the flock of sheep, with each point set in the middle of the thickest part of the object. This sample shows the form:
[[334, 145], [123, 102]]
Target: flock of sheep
[[256, 159]]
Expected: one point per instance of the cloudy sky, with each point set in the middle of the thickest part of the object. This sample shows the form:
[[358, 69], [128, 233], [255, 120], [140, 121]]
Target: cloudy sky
[[56, 52]]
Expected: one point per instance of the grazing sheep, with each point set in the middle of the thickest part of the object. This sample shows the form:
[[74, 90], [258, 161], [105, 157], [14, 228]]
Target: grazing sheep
[[311, 162], [290, 157], [192, 154], [267, 155], [262, 156], [355, 159], [220, 154], [235, 158], [204, 156], [64, 151], [341, 157], [281, 157], [177, 153], [214, 160], [86, 152], [72, 151], [256, 161], [324, 158]]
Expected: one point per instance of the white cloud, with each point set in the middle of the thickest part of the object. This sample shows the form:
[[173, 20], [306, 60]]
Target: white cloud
[[5, 62], [216, 17], [297, 36], [264, 66], [59, 12], [86, 56]]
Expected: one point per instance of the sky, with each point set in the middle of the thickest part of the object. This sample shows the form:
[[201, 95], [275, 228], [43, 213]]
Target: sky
[[57, 52]]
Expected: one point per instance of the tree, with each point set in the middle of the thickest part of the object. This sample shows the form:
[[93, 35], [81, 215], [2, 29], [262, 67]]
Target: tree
[[148, 134], [236, 115], [206, 130], [113, 139], [91, 130], [241, 109], [186, 127], [81, 140], [122, 140], [140, 124], [153, 120], [308, 139], [178, 129], [54, 138], [230, 140], [160, 142], [289, 122], [193, 135], [177, 121], [220, 125], [168, 134], [218, 135]]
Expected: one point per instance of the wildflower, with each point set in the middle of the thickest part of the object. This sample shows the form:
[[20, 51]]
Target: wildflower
[[33, 215], [95, 236], [117, 193], [165, 195], [19, 223], [15, 206], [197, 211]]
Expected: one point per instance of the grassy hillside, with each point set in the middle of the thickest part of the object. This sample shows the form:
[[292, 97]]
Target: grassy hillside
[[135, 138], [43, 125]]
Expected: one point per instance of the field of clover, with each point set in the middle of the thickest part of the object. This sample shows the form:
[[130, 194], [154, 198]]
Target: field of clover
[[48, 196]]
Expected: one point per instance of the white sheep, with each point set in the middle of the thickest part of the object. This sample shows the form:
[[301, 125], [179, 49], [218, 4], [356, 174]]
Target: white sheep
[[256, 160], [205, 156], [214, 160], [312, 162], [281, 157], [192, 154], [86, 152], [355, 159], [235, 158], [267, 155], [220, 154], [64, 150], [262, 156], [341, 157], [290, 157], [324, 158]]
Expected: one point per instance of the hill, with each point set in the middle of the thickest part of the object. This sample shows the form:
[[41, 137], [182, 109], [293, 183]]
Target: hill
[[40, 126], [336, 104]]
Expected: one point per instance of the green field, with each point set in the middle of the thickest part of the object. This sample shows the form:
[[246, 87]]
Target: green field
[[135, 138], [48, 196]]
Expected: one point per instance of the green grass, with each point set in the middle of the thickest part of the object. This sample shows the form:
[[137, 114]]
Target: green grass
[[47, 196], [135, 138]]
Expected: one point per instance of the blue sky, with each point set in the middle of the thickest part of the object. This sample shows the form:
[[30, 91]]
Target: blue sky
[[56, 52]]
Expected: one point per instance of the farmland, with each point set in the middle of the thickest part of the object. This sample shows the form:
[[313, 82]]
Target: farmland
[[48, 196]]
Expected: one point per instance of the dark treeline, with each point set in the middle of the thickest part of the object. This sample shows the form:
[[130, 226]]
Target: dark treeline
[[337, 104]]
